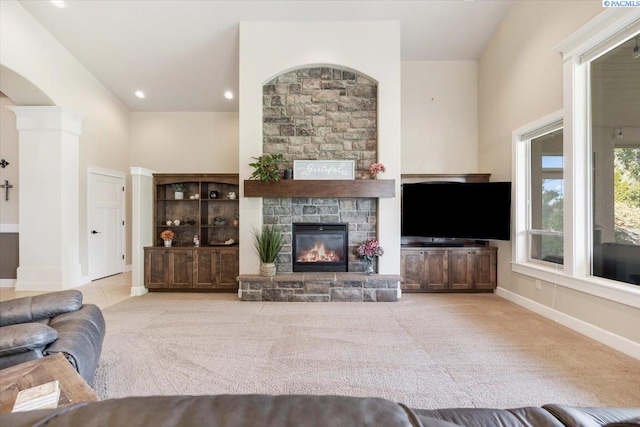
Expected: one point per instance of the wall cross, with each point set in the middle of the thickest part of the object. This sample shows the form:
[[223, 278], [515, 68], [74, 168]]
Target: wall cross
[[6, 187]]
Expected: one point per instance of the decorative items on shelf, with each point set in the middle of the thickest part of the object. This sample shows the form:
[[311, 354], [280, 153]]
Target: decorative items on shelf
[[178, 189], [219, 220], [368, 251], [268, 243], [236, 220], [232, 195], [213, 194], [167, 236], [267, 167], [376, 168]]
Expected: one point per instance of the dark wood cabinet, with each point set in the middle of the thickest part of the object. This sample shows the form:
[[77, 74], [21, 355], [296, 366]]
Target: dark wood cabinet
[[424, 270], [455, 269], [207, 214], [214, 269], [167, 268], [156, 268], [485, 268]]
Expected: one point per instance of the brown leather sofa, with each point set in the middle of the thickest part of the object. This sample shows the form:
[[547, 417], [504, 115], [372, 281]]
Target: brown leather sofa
[[308, 411]]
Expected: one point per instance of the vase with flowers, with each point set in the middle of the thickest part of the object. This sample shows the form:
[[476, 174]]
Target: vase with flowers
[[167, 236], [368, 251], [376, 168]]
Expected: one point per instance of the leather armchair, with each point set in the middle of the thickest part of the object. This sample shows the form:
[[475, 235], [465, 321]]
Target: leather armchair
[[57, 322]]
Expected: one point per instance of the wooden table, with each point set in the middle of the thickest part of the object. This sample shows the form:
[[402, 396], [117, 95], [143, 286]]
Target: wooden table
[[73, 388]]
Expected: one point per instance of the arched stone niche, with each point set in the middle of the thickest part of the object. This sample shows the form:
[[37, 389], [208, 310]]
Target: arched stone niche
[[322, 113]]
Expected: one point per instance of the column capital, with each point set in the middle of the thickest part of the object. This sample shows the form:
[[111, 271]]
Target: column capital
[[29, 118], [141, 171]]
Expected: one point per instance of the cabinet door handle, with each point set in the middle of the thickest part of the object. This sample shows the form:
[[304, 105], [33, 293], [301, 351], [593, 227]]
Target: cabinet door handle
[[95, 232]]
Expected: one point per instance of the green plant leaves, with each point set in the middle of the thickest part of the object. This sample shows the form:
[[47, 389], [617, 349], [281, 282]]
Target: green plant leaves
[[268, 243], [267, 167]]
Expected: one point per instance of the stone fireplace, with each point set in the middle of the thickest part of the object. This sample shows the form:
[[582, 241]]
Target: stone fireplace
[[321, 91], [322, 113]]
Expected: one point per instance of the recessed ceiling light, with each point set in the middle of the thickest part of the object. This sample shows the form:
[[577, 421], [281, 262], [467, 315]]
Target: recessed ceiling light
[[140, 94], [228, 94], [58, 3]]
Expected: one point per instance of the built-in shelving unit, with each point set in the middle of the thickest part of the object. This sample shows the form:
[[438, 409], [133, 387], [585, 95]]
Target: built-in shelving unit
[[196, 215], [206, 214]]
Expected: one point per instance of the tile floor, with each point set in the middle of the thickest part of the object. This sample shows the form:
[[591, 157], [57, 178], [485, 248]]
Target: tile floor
[[102, 292]]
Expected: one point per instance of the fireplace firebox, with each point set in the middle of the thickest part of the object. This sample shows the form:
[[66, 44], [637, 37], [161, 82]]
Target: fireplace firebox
[[320, 247]]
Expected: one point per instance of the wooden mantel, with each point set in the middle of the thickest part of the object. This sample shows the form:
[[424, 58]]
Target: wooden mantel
[[374, 188]]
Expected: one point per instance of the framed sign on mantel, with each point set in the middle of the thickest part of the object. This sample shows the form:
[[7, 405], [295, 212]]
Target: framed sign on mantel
[[323, 169]]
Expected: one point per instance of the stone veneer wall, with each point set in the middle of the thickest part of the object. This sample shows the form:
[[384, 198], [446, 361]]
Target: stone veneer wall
[[322, 114]]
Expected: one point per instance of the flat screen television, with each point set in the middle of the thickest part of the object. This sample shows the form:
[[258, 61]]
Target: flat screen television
[[455, 210]]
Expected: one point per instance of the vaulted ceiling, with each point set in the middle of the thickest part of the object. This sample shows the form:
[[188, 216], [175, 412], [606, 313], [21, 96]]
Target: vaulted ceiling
[[184, 53]]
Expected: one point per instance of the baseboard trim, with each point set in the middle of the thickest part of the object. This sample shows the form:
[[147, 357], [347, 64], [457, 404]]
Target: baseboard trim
[[137, 291], [128, 268], [7, 283], [617, 342]]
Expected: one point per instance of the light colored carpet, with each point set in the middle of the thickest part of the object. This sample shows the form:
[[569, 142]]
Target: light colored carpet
[[427, 351]]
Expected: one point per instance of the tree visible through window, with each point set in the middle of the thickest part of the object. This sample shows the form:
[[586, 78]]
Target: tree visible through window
[[627, 195], [546, 192]]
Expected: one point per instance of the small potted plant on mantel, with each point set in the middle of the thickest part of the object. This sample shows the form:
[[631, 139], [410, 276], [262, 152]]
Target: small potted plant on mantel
[[178, 189], [268, 243], [267, 167]]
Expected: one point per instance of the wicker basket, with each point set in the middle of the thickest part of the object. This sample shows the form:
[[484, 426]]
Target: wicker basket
[[267, 269]]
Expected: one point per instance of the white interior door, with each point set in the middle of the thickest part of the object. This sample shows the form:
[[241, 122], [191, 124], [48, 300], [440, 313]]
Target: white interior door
[[106, 223]]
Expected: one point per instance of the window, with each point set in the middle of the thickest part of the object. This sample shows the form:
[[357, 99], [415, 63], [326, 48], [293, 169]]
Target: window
[[546, 198], [595, 176], [577, 203], [614, 101]]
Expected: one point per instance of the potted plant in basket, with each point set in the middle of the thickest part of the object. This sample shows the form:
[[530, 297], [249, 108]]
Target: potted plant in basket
[[178, 189], [268, 244], [367, 251]]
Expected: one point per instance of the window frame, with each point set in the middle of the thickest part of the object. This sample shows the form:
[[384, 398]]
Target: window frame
[[595, 38], [523, 231], [526, 139]]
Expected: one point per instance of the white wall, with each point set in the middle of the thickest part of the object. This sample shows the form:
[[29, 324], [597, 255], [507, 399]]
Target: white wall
[[30, 51], [185, 142], [520, 80], [440, 117], [9, 152], [268, 49]]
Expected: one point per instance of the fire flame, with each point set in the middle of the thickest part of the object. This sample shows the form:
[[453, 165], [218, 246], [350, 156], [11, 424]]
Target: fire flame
[[318, 254]]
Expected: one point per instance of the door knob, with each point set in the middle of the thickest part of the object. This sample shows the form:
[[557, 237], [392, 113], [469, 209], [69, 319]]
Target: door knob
[[94, 232]]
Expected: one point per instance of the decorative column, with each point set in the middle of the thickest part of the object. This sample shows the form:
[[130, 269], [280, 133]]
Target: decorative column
[[141, 225], [49, 198]]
